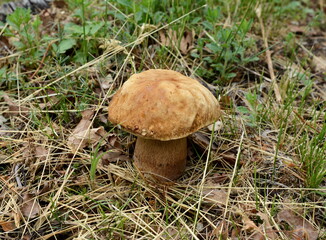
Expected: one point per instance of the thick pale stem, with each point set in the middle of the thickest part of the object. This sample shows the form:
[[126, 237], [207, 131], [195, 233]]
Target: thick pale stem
[[164, 160]]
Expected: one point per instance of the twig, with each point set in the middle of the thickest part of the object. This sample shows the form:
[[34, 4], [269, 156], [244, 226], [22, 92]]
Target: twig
[[268, 57], [43, 58], [19, 183]]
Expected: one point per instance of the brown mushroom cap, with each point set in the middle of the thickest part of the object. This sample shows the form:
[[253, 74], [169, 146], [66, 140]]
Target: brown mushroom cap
[[163, 105]]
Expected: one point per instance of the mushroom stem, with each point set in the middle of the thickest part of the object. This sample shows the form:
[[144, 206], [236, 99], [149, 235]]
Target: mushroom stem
[[164, 160]]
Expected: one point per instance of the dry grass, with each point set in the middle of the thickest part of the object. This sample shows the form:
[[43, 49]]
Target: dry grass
[[244, 180]]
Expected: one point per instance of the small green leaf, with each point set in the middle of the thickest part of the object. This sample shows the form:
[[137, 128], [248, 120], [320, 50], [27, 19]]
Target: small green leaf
[[243, 110], [208, 25], [195, 55], [3, 72], [37, 22], [230, 75], [65, 45], [96, 27], [19, 17], [196, 20], [213, 47]]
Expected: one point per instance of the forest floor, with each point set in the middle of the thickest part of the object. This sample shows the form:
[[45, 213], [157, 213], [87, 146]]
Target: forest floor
[[66, 172]]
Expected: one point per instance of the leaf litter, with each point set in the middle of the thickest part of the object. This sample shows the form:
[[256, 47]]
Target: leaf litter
[[30, 207], [301, 228], [120, 198], [170, 38], [83, 135]]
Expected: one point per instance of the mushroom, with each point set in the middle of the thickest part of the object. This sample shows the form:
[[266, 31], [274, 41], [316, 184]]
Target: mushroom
[[162, 107]]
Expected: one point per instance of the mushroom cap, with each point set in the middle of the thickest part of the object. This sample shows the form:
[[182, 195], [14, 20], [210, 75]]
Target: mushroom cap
[[163, 105]]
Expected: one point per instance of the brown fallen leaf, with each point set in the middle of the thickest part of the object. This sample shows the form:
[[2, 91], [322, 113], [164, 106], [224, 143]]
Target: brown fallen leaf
[[217, 178], [170, 38], [83, 135], [28, 152], [186, 43], [202, 140], [221, 230], [47, 187], [26, 237], [30, 207], [215, 196], [7, 226], [114, 141], [85, 138], [41, 152], [249, 225], [113, 156], [14, 108], [297, 29], [229, 157], [319, 64], [265, 228], [85, 122], [302, 229], [103, 118]]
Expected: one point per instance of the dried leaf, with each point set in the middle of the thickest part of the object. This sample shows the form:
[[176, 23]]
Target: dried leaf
[[221, 230], [26, 237], [229, 157], [28, 151], [14, 109], [41, 152], [103, 118], [113, 156], [217, 178], [301, 227], [297, 29], [7, 226], [83, 135], [30, 207], [85, 138], [113, 141], [266, 228], [60, 3], [170, 38], [186, 43], [319, 63], [202, 140], [217, 126], [248, 224], [46, 188], [215, 196]]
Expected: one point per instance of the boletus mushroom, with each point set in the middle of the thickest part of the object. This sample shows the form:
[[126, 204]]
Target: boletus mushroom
[[162, 107]]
